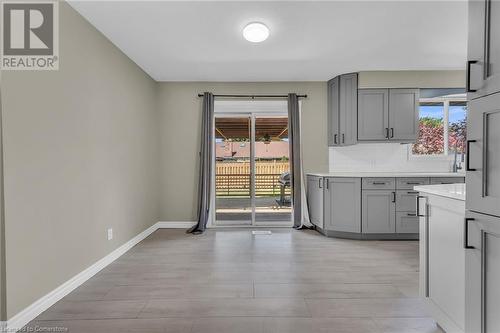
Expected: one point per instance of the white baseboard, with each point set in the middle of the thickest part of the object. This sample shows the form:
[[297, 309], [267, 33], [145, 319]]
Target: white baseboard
[[35, 309], [175, 224]]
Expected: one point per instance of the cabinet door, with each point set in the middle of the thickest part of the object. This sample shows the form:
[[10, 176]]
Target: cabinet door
[[315, 200], [333, 111], [403, 114], [483, 160], [406, 201], [373, 114], [348, 108], [482, 280], [406, 223], [343, 204], [378, 211], [483, 67]]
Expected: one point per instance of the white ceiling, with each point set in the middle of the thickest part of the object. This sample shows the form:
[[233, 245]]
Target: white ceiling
[[202, 41]]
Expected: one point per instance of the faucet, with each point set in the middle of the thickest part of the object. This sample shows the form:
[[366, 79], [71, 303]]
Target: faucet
[[457, 165]]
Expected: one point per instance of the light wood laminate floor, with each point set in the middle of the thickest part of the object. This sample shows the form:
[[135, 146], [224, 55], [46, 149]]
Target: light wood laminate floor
[[228, 280]]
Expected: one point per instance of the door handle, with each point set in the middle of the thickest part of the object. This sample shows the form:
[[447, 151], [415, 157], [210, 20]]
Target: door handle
[[393, 196], [467, 84], [343, 138], [392, 132], [327, 184], [319, 183], [418, 205], [335, 139], [387, 132], [467, 159], [466, 233]]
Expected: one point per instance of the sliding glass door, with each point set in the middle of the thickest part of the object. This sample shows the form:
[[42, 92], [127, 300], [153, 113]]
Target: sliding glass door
[[252, 181]]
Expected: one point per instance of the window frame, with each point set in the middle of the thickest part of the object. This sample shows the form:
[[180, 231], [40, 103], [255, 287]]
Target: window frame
[[446, 100]]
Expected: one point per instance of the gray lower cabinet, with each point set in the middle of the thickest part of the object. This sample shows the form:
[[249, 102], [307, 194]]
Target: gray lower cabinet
[[483, 159], [343, 204], [406, 223], [373, 114], [315, 186], [378, 211], [482, 268]]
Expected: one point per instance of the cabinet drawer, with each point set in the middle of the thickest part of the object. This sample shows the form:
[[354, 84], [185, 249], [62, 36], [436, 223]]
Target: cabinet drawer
[[379, 183], [406, 223], [447, 180], [406, 201], [409, 183]]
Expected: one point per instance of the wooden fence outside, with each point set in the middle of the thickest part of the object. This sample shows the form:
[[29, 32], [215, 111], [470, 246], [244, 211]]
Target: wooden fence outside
[[233, 178]]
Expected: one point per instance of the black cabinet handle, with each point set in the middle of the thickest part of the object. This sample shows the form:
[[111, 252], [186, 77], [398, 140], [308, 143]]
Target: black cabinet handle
[[319, 183], [411, 214], [466, 233], [387, 133], [469, 63], [378, 183], [327, 184], [393, 196], [411, 192], [392, 132], [343, 138], [418, 206], [467, 160], [412, 183], [335, 139]]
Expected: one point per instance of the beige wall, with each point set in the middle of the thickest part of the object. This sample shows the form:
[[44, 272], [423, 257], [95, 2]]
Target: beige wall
[[412, 79], [81, 155], [180, 111]]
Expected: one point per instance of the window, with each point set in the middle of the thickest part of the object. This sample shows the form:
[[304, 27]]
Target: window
[[442, 126]]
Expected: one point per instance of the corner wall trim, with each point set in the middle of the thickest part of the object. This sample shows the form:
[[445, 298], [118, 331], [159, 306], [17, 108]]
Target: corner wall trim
[[26, 315], [175, 224]]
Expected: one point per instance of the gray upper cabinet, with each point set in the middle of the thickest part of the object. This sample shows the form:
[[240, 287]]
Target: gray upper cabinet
[[343, 110], [483, 66], [348, 100], [388, 115], [343, 204], [403, 114], [483, 158], [373, 114], [379, 211], [333, 113], [315, 200], [482, 269]]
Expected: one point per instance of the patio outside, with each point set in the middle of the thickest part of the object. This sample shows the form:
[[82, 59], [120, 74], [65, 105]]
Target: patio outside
[[233, 174]]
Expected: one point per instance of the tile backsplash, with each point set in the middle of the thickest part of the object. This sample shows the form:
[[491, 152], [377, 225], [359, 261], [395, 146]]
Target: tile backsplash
[[383, 157]]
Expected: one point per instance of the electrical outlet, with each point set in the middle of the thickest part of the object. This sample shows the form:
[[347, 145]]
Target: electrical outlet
[[110, 233]]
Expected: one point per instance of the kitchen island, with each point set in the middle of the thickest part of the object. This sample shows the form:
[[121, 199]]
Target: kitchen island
[[441, 210], [369, 205]]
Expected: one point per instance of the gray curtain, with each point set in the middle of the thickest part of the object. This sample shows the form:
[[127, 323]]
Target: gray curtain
[[205, 173], [300, 213]]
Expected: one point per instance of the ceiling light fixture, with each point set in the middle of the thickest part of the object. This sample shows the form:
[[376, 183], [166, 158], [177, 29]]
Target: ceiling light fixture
[[256, 32]]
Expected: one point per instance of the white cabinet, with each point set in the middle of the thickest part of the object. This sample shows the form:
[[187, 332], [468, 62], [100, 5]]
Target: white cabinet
[[483, 158], [483, 66], [442, 260], [482, 273]]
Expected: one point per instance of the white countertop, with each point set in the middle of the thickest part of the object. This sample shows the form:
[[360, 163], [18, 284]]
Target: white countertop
[[453, 191], [387, 174]]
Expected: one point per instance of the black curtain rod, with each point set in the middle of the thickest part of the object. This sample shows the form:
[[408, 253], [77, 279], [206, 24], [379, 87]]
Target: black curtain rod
[[254, 96]]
